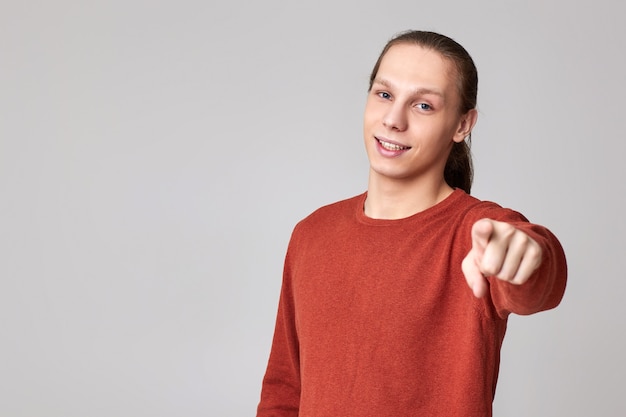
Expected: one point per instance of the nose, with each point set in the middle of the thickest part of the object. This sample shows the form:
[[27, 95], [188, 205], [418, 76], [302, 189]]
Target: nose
[[395, 118]]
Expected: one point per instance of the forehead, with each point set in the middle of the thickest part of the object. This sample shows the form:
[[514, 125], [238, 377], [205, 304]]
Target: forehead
[[417, 67]]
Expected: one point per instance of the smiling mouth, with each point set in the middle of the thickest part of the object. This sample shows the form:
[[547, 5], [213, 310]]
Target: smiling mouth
[[392, 146]]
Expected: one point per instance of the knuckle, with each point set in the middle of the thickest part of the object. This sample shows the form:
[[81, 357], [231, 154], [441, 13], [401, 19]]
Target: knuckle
[[506, 275], [489, 269], [521, 239], [519, 280], [509, 232], [534, 251]]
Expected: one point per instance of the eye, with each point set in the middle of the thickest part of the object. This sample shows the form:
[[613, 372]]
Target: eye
[[424, 106], [384, 95]]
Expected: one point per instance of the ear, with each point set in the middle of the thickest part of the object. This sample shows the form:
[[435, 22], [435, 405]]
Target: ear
[[466, 124]]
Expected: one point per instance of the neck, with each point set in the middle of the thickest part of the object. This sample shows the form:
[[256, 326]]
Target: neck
[[397, 199]]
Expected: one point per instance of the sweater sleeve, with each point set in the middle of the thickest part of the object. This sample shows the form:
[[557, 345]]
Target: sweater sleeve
[[280, 392], [545, 288]]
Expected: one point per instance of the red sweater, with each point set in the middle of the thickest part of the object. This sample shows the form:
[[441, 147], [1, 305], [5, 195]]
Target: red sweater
[[376, 319]]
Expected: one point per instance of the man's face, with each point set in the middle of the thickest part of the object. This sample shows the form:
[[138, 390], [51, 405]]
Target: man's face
[[411, 116]]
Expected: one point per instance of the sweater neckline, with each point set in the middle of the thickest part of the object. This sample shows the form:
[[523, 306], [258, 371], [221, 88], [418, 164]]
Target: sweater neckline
[[432, 211]]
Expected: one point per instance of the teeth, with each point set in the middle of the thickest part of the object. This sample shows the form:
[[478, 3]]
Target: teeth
[[392, 146]]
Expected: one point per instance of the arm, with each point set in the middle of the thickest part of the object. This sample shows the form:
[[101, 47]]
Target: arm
[[521, 265], [280, 393]]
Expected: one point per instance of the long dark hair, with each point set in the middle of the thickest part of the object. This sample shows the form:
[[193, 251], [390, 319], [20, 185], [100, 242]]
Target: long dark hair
[[459, 170]]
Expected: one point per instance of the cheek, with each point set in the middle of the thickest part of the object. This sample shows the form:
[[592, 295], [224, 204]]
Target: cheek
[[367, 116], [371, 112], [368, 125], [441, 129]]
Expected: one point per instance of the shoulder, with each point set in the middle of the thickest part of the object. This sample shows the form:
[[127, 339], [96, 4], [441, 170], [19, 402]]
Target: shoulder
[[472, 209], [324, 223], [333, 212], [329, 216]]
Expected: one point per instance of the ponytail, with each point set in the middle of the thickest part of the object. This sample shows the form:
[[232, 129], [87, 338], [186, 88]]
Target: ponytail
[[459, 171]]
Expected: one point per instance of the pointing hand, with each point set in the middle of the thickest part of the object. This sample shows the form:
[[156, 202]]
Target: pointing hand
[[499, 250]]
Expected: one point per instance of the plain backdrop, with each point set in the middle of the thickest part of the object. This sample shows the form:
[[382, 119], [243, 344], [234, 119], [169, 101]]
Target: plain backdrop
[[155, 156]]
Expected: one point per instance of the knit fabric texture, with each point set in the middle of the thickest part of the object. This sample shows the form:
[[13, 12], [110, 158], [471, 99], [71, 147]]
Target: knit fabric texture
[[376, 319]]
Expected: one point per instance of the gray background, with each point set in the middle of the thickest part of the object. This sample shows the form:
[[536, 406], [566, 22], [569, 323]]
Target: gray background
[[154, 157]]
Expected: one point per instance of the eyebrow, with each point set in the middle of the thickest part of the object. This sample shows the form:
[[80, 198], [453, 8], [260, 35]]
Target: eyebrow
[[417, 91]]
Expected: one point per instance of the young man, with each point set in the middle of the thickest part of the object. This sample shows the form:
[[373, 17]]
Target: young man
[[395, 302]]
